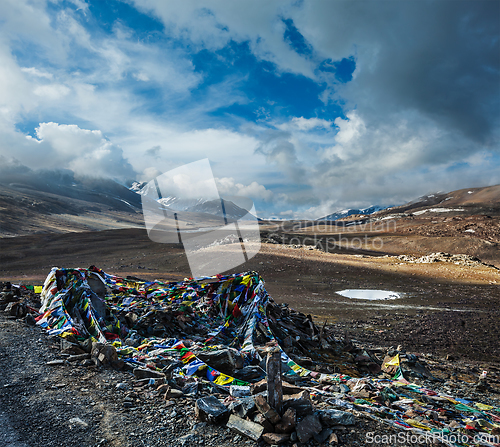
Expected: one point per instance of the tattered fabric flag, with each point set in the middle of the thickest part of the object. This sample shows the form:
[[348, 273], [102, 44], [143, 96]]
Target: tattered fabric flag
[[393, 362]]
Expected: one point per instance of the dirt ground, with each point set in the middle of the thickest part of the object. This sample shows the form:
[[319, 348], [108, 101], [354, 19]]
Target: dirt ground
[[444, 310]]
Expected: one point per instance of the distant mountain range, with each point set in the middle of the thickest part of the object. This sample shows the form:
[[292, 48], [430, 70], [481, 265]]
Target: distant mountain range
[[58, 201], [482, 200], [350, 212], [218, 207]]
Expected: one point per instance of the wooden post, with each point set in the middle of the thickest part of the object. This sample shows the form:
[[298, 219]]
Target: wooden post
[[274, 386]]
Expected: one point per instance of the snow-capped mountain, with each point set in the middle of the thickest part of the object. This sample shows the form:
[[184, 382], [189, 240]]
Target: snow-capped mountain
[[137, 186], [212, 207], [180, 204], [345, 213], [197, 205]]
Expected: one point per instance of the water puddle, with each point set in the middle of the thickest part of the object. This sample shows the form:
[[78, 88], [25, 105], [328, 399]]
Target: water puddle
[[368, 294], [370, 299]]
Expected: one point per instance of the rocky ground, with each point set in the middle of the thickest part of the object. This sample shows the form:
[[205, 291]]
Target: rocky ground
[[48, 401], [448, 316]]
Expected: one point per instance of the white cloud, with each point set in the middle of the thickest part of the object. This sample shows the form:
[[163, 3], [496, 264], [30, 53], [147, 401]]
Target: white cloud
[[305, 124], [419, 110], [81, 6], [213, 23], [36, 72], [149, 174], [86, 152], [228, 151], [52, 92], [141, 76], [228, 186]]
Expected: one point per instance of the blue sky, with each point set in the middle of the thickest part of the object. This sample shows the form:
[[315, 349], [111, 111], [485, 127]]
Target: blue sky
[[306, 107]]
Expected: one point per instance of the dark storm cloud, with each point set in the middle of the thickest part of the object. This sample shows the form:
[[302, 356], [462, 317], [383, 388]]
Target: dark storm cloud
[[440, 58]]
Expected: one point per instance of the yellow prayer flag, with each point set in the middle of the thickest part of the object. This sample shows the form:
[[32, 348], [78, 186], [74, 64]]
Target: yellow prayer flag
[[38, 289], [222, 379], [246, 280], [417, 424], [394, 361], [484, 406]]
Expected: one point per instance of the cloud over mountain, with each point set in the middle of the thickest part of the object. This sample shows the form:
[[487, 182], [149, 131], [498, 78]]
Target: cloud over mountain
[[318, 105]]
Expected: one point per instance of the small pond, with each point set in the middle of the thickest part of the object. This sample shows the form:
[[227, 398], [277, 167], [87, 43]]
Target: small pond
[[368, 294]]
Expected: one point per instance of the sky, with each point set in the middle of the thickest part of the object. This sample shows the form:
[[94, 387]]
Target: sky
[[307, 107]]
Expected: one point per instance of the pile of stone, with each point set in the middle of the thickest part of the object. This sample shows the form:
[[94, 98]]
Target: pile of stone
[[12, 302], [274, 411], [460, 259]]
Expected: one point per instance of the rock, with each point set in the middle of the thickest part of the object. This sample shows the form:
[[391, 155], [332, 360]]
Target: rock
[[482, 385], [95, 349], [103, 354], [288, 422], [333, 439], [121, 386], [143, 373], [72, 349], [288, 388], [308, 427], [188, 440], [374, 368], [210, 409], [16, 309], [362, 394], [98, 286], [243, 406], [79, 357], [107, 354], [55, 362], [191, 389], [118, 364], [175, 393], [221, 360], [301, 402], [323, 435], [247, 428], [239, 359], [260, 419], [30, 320], [239, 391], [264, 408], [163, 388], [416, 370], [78, 422], [332, 417], [362, 359], [8, 297], [250, 373], [86, 345], [275, 438], [259, 387]]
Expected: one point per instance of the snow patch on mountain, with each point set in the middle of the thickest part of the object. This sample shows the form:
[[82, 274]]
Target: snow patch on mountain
[[349, 212]]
